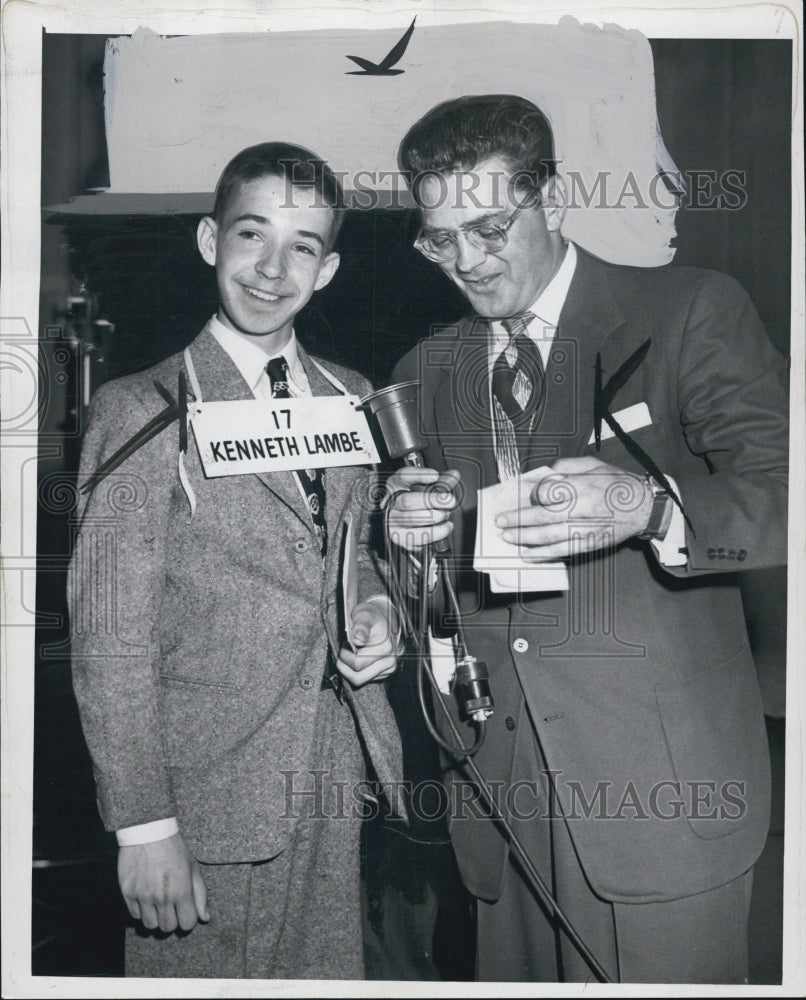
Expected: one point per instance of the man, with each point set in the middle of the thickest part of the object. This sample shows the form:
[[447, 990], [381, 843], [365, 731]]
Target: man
[[627, 713], [227, 753]]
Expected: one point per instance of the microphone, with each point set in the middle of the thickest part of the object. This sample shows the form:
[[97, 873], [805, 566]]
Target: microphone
[[397, 410]]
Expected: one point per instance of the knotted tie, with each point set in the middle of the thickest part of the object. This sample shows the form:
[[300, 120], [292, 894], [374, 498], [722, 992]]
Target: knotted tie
[[311, 480], [518, 381]]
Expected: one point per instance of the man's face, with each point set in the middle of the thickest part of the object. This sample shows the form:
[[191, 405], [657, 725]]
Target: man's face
[[270, 256], [508, 281]]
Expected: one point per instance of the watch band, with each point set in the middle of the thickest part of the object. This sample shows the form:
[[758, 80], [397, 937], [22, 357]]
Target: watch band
[[660, 500]]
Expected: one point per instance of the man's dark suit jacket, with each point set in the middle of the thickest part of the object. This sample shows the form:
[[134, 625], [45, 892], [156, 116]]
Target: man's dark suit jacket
[[638, 680], [200, 638]]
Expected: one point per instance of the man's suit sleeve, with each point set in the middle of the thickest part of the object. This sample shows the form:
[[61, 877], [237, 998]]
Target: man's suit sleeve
[[115, 585], [733, 405]]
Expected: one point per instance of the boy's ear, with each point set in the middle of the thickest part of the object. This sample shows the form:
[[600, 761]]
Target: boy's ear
[[206, 239], [328, 267]]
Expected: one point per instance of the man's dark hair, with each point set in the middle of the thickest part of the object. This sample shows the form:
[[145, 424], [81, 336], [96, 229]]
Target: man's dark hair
[[460, 134], [297, 166]]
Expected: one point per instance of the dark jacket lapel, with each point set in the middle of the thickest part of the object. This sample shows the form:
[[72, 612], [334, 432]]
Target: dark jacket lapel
[[462, 409], [588, 319]]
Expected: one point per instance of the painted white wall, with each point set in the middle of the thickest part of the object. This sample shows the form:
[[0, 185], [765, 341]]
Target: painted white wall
[[177, 109]]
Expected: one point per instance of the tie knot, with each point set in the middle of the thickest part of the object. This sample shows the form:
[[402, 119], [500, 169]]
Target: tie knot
[[277, 370], [516, 325]]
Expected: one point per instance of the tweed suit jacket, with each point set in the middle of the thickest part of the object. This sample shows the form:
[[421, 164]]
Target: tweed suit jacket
[[200, 640], [638, 681]]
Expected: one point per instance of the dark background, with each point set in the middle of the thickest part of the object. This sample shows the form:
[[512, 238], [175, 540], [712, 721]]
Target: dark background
[[722, 105]]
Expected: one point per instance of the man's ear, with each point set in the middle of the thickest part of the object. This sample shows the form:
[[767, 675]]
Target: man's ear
[[554, 202], [328, 267], [206, 239]]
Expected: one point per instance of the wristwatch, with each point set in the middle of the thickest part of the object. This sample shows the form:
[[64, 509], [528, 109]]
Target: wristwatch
[[656, 526]]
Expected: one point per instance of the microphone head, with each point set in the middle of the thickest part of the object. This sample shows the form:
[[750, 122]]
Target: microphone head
[[397, 410]]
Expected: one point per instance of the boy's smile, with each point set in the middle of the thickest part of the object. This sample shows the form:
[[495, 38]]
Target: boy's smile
[[270, 254]]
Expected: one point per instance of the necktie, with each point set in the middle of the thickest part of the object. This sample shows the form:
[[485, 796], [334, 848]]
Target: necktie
[[311, 480], [518, 381]]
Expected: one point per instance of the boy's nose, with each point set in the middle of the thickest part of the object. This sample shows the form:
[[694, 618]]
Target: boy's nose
[[271, 263]]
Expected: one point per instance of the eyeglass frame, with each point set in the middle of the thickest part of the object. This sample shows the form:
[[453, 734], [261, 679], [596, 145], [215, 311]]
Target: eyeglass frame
[[532, 201]]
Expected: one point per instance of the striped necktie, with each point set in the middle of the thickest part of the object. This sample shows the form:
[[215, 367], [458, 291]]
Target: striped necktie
[[518, 386], [312, 481]]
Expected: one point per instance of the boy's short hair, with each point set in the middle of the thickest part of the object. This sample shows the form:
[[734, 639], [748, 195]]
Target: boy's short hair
[[460, 134], [298, 166]]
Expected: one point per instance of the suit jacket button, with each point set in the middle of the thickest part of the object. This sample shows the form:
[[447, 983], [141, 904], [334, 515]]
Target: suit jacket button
[[711, 553], [721, 552], [520, 645], [509, 722], [741, 555], [301, 544], [306, 682]]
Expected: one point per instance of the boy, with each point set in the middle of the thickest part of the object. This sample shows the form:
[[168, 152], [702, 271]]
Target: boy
[[204, 617]]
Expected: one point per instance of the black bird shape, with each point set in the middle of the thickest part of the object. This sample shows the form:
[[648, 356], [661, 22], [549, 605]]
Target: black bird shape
[[384, 67]]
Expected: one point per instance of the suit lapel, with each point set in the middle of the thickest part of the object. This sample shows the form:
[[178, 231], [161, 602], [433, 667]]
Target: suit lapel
[[338, 479], [219, 379], [462, 409], [588, 319]]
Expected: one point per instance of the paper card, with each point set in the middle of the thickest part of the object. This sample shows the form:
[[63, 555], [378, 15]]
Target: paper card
[[631, 418], [508, 572], [246, 436]]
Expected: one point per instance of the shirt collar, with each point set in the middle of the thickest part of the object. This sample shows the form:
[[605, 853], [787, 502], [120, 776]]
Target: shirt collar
[[546, 308], [251, 360], [549, 304]]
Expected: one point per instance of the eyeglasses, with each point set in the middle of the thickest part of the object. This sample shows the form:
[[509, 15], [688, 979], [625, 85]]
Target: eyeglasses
[[443, 246]]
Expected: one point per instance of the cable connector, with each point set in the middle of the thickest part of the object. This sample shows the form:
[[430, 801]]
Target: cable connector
[[472, 682]]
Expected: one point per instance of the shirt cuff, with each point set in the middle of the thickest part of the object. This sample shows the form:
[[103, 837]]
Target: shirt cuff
[[671, 549], [147, 833]]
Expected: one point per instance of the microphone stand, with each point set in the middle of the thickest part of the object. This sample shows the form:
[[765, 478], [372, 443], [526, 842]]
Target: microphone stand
[[397, 409]]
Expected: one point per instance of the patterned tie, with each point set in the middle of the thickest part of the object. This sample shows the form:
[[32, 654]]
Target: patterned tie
[[518, 384], [311, 480]]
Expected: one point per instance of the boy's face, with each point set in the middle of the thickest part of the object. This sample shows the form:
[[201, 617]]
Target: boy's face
[[270, 255]]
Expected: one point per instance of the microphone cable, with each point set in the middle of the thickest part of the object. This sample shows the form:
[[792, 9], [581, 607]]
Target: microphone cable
[[458, 749]]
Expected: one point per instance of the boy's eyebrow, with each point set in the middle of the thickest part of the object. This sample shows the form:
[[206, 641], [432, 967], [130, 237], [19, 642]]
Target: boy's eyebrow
[[249, 217], [311, 235]]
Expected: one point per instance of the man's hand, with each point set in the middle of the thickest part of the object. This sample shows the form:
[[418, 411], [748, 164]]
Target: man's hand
[[162, 884], [374, 633], [583, 505], [420, 506]]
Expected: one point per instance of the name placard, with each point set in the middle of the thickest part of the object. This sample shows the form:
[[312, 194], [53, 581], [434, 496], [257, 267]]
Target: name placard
[[254, 435]]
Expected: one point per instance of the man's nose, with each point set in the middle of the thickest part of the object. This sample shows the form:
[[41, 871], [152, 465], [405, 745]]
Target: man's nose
[[271, 262], [468, 256]]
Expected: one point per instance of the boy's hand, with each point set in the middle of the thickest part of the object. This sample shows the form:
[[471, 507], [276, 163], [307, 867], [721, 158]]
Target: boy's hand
[[377, 647], [420, 506], [162, 884]]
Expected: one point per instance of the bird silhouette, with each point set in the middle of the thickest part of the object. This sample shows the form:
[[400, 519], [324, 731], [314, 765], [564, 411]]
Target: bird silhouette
[[384, 67]]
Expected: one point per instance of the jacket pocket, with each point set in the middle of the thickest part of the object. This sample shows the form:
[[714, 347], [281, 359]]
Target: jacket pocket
[[650, 439], [714, 727]]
